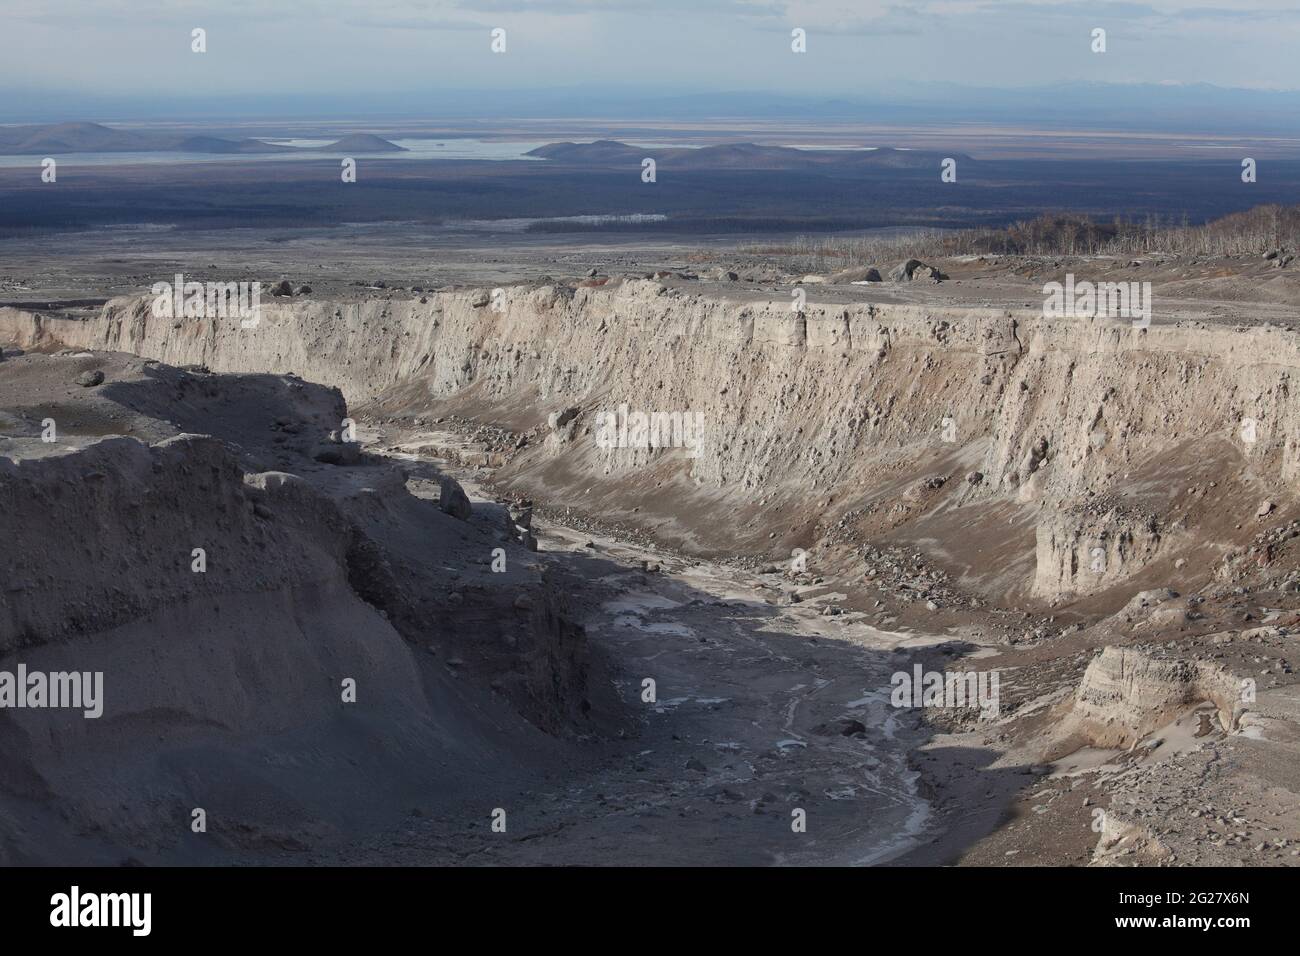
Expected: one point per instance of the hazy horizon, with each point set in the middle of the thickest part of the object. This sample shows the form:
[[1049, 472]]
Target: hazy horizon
[[114, 52], [1149, 107]]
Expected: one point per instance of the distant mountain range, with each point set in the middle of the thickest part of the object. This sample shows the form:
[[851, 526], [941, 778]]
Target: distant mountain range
[[94, 138], [607, 152], [1190, 108]]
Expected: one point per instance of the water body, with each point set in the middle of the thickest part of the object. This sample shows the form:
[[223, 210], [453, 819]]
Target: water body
[[422, 149]]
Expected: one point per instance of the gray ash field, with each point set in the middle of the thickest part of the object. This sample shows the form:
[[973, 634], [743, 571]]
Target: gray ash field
[[650, 656]]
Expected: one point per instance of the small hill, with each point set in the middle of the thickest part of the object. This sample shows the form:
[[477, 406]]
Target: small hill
[[742, 156], [95, 138], [362, 143], [600, 152], [72, 138]]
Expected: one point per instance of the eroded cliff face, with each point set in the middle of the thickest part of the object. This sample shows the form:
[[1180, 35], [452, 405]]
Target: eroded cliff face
[[1127, 693], [1094, 430]]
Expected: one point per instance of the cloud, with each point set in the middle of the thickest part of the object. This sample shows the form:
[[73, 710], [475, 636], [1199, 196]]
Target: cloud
[[415, 23], [693, 45]]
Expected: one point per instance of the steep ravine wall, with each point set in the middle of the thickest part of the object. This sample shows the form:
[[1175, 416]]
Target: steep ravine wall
[[223, 689], [1073, 419]]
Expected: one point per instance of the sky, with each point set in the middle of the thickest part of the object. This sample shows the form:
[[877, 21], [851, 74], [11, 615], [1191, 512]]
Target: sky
[[124, 48]]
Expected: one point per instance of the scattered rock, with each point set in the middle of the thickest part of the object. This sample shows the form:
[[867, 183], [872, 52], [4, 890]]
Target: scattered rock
[[858, 274], [452, 499], [338, 452], [557, 420], [903, 271], [844, 726], [914, 270]]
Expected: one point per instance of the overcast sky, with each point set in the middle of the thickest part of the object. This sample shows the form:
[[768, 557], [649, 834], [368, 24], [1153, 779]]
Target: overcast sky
[[854, 47]]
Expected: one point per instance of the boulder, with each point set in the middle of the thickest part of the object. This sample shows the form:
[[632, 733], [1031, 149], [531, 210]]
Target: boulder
[[903, 271], [519, 523], [523, 519], [452, 499], [857, 274], [1035, 457], [557, 420], [842, 726], [914, 270], [338, 453]]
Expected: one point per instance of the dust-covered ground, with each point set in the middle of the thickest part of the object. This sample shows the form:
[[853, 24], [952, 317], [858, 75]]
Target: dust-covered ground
[[559, 659], [362, 261], [758, 710]]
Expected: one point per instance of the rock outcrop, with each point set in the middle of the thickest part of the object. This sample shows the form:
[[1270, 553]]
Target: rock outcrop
[[1078, 426], [1126, 694]]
